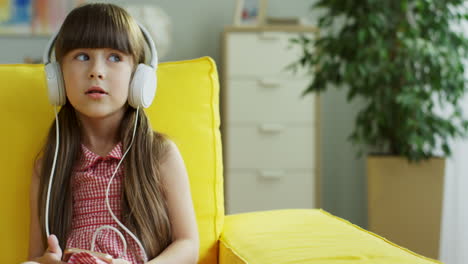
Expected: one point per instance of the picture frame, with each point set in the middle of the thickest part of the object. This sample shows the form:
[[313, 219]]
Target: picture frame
[[250, 12]]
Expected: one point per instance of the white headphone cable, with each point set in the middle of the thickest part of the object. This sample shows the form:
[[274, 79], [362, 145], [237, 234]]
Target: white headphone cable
[[93, 241], [145, 258], [52, 172]]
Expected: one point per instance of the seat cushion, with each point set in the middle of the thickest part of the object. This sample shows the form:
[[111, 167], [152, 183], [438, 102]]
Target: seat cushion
[[185, 108], [305, 236]]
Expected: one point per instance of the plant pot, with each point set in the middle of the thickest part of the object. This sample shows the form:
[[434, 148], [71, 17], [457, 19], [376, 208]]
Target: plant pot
[[405, 202]]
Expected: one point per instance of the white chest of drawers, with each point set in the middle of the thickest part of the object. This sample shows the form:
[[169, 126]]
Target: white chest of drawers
[[269, 131]]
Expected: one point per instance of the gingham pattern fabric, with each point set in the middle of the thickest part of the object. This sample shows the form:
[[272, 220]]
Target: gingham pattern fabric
[[85, 258], [91, 176]]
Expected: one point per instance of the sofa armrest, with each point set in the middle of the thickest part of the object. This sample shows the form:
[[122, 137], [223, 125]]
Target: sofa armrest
[[305, 236]]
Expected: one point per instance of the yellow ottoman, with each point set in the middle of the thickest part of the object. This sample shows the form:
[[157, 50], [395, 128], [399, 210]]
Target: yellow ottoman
[[305, 236]]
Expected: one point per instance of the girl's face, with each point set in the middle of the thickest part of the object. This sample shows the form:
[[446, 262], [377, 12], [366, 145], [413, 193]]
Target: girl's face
[[97, 80]]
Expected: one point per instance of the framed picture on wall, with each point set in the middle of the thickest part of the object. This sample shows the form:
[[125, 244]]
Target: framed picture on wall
[[250, 12]]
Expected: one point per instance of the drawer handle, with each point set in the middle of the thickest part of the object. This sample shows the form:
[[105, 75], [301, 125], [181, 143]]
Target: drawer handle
[[271, 174], [268, 83], [268, 36], [271, 128]]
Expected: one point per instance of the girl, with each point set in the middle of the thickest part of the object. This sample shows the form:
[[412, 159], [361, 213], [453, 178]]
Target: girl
[[98, 48]]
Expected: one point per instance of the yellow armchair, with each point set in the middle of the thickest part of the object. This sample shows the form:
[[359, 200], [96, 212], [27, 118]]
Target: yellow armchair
[[186, 108]]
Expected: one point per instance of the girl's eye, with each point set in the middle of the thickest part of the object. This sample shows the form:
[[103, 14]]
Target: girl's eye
[[82, 57], [115, 58]]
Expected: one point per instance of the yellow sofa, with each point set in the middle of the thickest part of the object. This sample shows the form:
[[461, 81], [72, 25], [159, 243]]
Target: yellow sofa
[[186, 108]]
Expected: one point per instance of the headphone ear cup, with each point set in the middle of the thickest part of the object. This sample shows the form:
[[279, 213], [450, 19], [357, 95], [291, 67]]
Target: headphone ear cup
[[142, 87], [55, 84]]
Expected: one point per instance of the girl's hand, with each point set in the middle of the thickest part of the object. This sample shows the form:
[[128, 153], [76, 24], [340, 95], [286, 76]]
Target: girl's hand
[[53, 254]]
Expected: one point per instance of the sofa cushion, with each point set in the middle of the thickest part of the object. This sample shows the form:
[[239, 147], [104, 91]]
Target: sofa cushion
[[305, 236]]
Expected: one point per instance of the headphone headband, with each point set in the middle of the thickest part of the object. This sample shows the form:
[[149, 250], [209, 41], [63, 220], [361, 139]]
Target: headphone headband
[[154, 54]]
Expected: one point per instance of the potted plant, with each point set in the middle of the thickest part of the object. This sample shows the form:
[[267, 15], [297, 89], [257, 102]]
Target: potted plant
[[405, 60]]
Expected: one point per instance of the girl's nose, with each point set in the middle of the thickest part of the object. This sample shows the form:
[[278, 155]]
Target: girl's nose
[[97, 70], [96, 75]]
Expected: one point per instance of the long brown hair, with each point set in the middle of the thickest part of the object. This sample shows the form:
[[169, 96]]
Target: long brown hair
[[144, 209]]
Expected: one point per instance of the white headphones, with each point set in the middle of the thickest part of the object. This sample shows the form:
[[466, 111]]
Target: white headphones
[[142, 86]]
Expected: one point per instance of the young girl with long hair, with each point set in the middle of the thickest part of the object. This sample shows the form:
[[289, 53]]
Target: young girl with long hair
[[98, 49]]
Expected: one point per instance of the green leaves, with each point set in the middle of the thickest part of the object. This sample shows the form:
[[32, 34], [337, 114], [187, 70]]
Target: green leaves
[[401, 56]]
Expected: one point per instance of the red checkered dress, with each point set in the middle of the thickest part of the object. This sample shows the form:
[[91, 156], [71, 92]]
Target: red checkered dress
[[90, 179]]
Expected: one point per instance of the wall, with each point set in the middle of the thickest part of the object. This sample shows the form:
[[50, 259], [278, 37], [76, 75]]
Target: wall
[[197, 27]]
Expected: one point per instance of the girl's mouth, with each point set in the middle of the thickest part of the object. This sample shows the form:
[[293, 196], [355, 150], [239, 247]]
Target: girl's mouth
[[96, 95], [96, 92]]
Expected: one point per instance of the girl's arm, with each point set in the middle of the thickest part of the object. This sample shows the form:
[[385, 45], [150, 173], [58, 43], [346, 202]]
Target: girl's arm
[[36, 248], [185, 245]]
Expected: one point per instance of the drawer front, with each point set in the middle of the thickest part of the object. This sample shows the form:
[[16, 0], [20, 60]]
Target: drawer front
[[256, 190], [261, 53], [273, 146], [269, 100]]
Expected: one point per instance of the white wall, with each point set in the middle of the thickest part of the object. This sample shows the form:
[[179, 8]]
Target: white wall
[[197, 27]]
